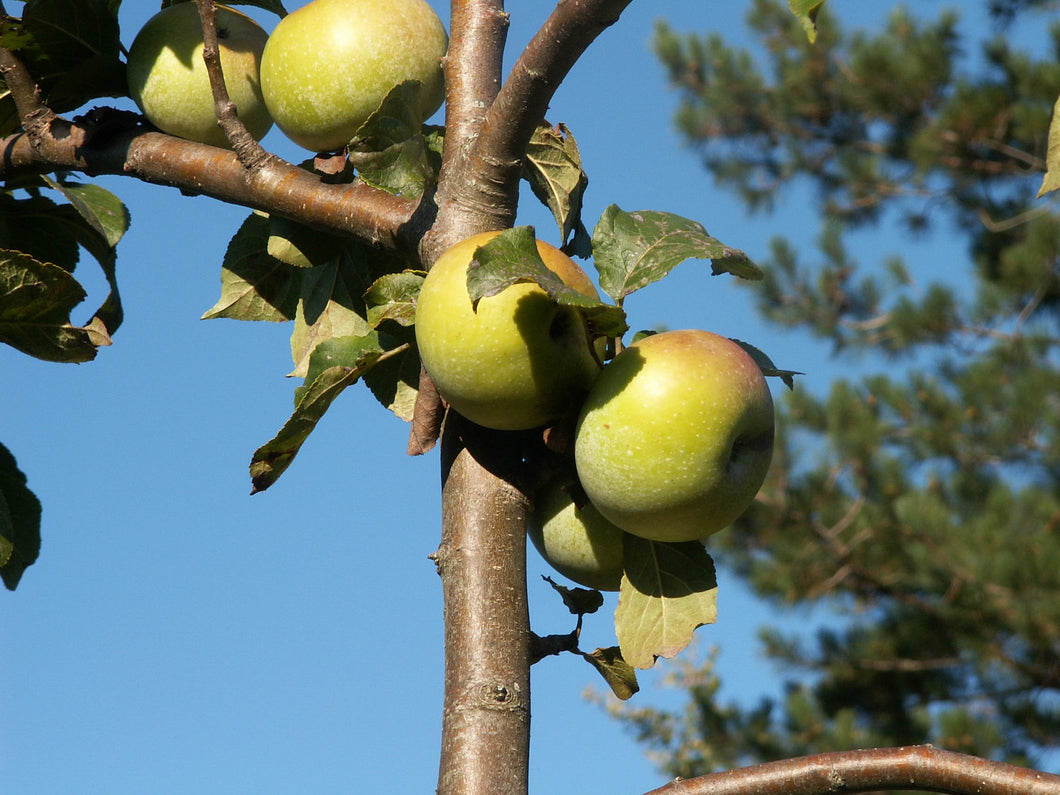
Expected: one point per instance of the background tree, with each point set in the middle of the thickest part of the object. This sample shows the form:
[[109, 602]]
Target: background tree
[[917, 504]]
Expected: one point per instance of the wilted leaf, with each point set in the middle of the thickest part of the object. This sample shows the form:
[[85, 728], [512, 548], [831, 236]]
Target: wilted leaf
[[1051, 180], [766, 365], [19, 521], [254, 285], [35, 303], [579, 601], [632, 250], [619, 675], [512, 257], [335, 365], [389, 151], [807, 11], [554, 171], [393, 297], [668, 590]]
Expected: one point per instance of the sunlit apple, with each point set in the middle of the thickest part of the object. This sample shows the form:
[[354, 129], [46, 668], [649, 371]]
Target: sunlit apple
[[329, 64], [517, 361], [168, 80], [676, 436]]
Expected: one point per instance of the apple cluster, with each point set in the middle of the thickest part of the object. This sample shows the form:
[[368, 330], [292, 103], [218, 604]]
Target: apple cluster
[[322, 72], [673, 436]]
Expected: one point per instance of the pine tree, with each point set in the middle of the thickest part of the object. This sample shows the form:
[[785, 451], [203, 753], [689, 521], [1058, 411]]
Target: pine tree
[[920, 502]]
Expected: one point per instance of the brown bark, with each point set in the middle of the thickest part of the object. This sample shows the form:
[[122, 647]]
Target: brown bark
[[913, 768], [482, 563]]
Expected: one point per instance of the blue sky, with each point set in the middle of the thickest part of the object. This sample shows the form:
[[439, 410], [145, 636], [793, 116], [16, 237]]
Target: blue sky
[[178, 635]]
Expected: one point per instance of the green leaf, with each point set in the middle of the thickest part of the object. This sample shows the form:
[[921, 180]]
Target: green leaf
[[807, 11], [19, 521], [632, 250], [332, 301], [766, 365], [668, 590], [512, 257], [298, 245], [579, 601], [394, 378], [393, 297], [35, 303], [1051, 180], [37, 226], [255, 285], [619, 675], [102, 210], [72, 48], [107, 221], [389, 150], [336, 364], [554, 170]]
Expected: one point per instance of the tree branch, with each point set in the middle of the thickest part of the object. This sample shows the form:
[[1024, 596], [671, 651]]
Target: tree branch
[[104, 142], [917, 767], [524, 98], [249, 151]]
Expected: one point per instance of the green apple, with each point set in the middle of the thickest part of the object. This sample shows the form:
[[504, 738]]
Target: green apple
[[676, 436], [579, 543], [168, 81], [329, 64], [517, 361]]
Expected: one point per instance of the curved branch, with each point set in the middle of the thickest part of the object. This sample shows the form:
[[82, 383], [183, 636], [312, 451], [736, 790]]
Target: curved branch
[[525, 96], [919, 767]]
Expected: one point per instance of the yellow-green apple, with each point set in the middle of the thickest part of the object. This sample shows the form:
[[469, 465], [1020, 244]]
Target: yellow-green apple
[[676, 436], [329, 64], [516, 361], [168, 80], [579, 543]]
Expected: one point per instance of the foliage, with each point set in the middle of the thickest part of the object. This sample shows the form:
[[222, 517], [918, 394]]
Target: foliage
[[919, 504], [351, 304]]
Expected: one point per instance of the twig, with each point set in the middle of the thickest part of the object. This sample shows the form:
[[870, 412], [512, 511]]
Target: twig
[[251, 153], [920, 767]]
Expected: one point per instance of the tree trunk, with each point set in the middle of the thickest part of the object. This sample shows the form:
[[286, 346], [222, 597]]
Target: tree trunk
[[482, 563]]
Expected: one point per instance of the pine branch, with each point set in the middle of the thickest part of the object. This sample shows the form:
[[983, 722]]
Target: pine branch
[[916, 767]]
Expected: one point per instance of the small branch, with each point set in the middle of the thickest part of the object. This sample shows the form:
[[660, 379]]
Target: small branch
[[37, 118], [916, 767], [251, 153]]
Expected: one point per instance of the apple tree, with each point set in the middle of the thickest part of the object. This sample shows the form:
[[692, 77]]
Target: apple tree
[[344, 244]]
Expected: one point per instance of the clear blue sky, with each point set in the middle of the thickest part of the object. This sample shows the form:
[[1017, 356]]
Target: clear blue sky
[[179, 636]]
